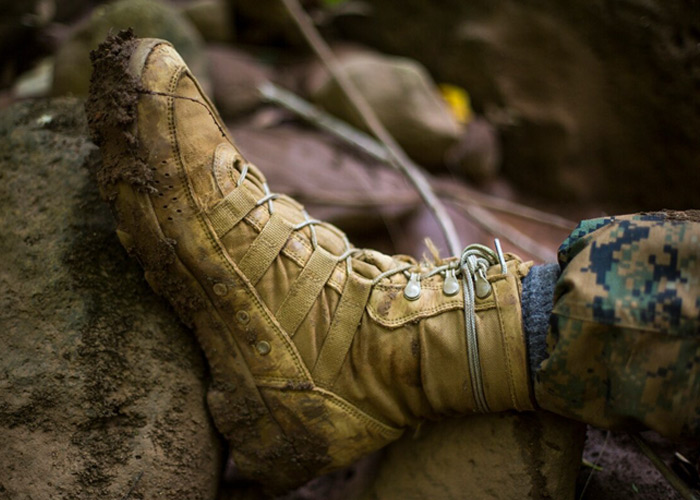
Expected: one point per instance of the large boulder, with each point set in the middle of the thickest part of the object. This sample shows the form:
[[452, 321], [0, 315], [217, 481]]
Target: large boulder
[[404, 97], [235, 78], [488, 457], [148, 18], [102, 390], [212, 18]]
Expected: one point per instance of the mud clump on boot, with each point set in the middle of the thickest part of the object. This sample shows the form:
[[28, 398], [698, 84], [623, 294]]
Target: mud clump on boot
[[112, 83]]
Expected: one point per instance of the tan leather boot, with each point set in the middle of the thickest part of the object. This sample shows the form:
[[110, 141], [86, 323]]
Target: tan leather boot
[[319, 352]]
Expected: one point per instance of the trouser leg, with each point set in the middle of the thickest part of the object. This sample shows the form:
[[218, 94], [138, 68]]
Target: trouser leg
[[624, 339]]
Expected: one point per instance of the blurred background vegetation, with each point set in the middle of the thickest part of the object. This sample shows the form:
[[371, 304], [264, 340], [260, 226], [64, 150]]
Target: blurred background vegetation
[[593, 102]]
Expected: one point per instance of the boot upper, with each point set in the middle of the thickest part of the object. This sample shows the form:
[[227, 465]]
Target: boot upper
[[327, 332]]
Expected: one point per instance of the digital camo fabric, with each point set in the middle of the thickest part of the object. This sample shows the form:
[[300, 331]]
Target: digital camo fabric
[[624, 340]]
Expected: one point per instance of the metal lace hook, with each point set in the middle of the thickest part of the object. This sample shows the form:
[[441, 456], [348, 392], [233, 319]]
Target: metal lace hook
[[501, 258]]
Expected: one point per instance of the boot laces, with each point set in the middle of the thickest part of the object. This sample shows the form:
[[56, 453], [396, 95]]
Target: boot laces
[[473, 262], [471, 267]]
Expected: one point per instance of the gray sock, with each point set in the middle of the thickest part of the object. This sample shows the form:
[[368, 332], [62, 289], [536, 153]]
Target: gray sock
[[538, 293]]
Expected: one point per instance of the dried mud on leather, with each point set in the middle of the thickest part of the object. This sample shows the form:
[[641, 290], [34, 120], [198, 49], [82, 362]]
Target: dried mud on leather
[[112, 111], [111, 83]]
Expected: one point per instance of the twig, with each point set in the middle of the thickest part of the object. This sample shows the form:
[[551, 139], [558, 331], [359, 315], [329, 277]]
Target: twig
[[588, 463], [504, 206], [353, 200], [595, 465], [491, 224], [667, 473], [351, 135], [133, 486], [397, 156], [327, 122]]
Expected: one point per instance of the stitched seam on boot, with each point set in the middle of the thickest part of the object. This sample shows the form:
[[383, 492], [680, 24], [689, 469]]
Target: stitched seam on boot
[[378, 423], [374, 421], [352, 409], [422, 313], [506, 347], [209, 232]]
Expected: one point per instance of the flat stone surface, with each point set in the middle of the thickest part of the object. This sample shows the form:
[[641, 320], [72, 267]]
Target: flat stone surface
[[148, 18], [102, 390], [504, 456]]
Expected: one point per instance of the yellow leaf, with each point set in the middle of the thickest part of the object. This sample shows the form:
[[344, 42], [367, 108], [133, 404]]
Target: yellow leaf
[[458, 101]]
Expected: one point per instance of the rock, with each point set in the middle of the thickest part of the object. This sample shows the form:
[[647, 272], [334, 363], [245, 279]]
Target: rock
[[265, 22], [477, 154], [405, 99], [102, 390], [212, 18], [30, 13], [149, 18], [35, 82], [235, 77], [342, 484], [490, 457], [596, 102], [20, 27]]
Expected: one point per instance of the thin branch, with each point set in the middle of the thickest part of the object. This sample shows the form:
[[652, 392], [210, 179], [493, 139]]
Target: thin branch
[[397, 156], [354, 199], [491, 224], [595, 465], [667, 473], [368, 145], [133, 486], [323, 120], [504, 206]]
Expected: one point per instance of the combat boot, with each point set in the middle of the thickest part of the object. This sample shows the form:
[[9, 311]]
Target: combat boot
[[319, 352]]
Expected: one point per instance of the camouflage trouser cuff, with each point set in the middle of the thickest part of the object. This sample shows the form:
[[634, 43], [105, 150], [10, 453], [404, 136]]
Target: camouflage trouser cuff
[[623, 348]]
